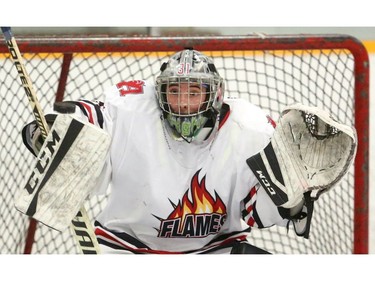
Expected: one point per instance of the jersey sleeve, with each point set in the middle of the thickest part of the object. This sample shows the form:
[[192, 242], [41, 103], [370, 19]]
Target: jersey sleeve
[[85, 110], [256, 129], [90, 111], [259, 210]]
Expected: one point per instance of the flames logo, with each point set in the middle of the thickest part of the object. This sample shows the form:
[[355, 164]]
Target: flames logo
[[199, 217]]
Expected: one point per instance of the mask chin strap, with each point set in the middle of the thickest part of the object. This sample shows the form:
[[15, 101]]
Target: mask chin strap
[[209, 127], [213, 117]]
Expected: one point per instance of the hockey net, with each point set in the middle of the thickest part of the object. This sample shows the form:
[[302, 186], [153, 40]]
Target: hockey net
[[328, 71]]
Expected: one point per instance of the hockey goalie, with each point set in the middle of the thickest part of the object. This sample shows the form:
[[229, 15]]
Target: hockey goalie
[[190, 171]]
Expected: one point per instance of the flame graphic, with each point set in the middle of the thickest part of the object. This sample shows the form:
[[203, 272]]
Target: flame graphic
[[202, 202]]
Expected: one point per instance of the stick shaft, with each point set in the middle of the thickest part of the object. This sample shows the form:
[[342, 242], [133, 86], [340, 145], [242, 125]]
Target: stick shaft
[[25, 80], [82, 229]]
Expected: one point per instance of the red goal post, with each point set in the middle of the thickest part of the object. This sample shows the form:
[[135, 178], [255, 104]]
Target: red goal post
[[330, 71]]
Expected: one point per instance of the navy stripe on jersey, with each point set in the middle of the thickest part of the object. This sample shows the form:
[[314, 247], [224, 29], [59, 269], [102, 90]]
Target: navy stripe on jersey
[[224, 114], [227, 236], [256, 217], [123, 236]]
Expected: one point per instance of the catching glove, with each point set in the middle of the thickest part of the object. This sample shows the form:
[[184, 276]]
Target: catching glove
[[309, 152]]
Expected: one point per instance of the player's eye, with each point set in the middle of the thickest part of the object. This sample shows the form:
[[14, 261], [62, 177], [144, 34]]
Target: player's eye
[[173, 90], [195, 91]]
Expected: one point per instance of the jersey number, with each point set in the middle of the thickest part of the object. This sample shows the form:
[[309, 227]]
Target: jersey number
[[130, 87]]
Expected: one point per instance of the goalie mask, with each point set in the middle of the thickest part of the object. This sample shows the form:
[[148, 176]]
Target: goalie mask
[[190, 93]]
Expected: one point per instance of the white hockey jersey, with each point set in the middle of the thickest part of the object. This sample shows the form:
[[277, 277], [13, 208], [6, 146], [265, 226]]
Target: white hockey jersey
[[168, 196]]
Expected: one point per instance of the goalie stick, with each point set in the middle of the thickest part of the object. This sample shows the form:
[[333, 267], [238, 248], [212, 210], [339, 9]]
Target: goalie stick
[[82, 229]]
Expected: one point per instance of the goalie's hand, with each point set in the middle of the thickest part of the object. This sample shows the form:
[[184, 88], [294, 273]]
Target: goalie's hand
[[309, 151], [31, 133], [32, 137]]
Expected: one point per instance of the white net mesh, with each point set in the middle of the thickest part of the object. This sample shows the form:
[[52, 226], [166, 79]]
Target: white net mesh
[[270, 79]]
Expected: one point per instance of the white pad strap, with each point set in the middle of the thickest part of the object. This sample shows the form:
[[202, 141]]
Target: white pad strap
[[66, 170], [309, 151]]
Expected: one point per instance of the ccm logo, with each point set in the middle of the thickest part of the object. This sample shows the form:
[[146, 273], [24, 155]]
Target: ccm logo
[[266, 183], [43, 162]]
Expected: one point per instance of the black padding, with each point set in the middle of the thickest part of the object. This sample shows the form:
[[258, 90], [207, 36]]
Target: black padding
[[246, 248]]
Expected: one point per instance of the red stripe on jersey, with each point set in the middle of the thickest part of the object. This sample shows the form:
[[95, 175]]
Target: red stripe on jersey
[[224, 119], [253, 190], [88, 109], [271, 121], [249, 209], [251, 221]]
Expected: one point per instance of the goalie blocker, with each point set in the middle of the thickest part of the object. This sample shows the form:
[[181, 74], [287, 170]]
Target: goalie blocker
[[307, 155], [66, 170]]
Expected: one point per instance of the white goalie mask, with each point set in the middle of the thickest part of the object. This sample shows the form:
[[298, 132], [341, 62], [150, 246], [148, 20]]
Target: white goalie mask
[[190, 93]]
